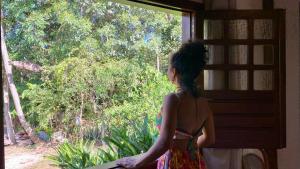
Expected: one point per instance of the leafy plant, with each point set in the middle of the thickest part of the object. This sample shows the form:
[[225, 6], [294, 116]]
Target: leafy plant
[[125, 143], [92, 133], [79, 155], [120, 143]]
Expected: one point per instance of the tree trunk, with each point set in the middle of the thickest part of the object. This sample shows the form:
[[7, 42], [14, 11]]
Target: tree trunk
[[8, 121], [27, 66], [13, 90]]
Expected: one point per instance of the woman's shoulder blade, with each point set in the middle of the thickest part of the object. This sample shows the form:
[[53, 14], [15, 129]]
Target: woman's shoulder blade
[[172, 97]]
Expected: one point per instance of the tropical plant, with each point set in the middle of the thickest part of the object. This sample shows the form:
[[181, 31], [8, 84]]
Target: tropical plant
[[118, 144], [80, 155], [92, 133], [125, 143]]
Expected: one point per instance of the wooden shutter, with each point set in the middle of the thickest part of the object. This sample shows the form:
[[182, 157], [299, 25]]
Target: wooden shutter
[[245, 76]]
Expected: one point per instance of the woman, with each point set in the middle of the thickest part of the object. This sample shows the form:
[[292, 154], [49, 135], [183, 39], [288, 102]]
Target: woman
[[185, 121]]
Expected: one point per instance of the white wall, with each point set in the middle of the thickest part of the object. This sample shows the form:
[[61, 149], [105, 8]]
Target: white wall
[[289, 158]]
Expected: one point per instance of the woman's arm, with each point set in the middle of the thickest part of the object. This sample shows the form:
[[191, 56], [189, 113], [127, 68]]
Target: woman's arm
[[167, 130], [208, 136]]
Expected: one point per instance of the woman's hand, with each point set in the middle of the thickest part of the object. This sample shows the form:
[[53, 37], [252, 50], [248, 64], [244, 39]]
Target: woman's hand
[[128, 162]]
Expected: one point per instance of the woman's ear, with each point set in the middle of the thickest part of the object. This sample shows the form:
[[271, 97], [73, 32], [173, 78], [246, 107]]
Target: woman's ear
[[174, 74], [174, 71]]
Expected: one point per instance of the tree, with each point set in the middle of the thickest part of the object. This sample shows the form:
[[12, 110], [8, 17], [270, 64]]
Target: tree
[[67, 37], [46, 32], [13, 90], [26, 66], [7, 117]]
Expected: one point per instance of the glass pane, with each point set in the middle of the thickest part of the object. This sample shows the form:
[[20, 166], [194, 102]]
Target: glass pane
[[238, 80], [238, 54], [214, 80], [263, 80], [215, 54], [237, 29], [263, 54], [213, 29], [263, 29]]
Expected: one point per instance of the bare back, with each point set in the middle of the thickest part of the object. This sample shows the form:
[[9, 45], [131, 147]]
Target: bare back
[[192, 113]]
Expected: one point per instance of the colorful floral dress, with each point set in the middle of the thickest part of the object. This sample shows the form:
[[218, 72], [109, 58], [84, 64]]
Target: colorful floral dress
[[178, 159]]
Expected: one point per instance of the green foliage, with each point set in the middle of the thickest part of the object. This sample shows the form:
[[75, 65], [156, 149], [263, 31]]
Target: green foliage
[[46, 32], [92, 133], [99, 62], [76, 156], [111, 91], [125, 143], [119, 144], [145, 101]]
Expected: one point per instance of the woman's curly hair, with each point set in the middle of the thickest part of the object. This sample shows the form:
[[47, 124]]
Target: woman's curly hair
[[188, 62]]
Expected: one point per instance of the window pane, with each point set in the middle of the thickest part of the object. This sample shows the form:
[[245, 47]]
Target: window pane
[[214, 80], [263, 54], [237, 29], [213, 29], [238, 80], [263, 80], [238, 54], [215, 54], [263, 29]]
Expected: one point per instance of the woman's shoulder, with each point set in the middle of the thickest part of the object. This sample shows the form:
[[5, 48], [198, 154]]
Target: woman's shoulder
[[179, 96], [203, 101], [174, 97]]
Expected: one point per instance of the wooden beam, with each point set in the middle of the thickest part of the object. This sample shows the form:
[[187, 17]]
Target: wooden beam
[[186, 26], [1, 116], [268, 4], [187, 6], [270, 158]]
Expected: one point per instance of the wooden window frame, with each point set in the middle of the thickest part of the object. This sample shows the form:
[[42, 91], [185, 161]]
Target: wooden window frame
[[197, 14], [225, 102], [275, 97]]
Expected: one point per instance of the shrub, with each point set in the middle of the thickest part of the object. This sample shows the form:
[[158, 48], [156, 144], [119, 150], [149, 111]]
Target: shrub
[[75, 156], [125, 143], [92, 133], [119, 144], [101, 92]]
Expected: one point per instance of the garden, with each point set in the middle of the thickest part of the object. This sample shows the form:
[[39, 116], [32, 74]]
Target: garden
[[99, 77]]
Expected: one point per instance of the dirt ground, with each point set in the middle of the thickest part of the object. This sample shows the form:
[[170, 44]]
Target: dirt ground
[[28, 157]]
